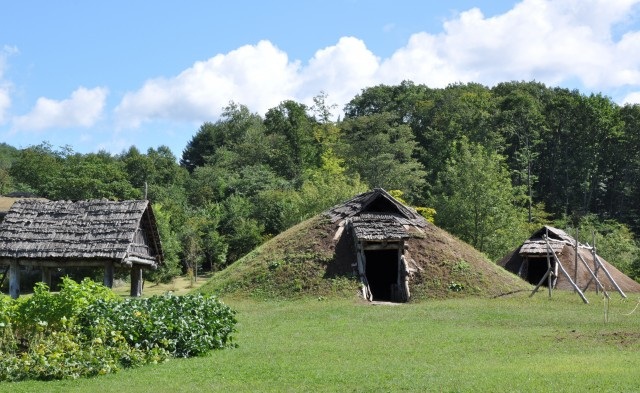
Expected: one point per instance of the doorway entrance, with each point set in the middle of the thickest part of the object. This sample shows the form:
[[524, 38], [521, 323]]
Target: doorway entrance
[[537, 267], [382, 273]]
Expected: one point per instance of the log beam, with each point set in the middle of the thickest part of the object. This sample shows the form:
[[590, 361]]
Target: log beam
[[136, 281], [108, 275], [14, 279]]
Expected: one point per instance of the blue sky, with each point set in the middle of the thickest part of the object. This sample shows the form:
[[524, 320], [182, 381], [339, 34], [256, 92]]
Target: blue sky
[[108, 75]]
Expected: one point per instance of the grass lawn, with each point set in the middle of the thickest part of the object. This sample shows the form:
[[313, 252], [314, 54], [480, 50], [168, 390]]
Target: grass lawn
[[484, 345]]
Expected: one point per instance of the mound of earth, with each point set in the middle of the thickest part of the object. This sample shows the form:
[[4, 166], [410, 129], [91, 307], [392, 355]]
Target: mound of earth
[[306, 261]]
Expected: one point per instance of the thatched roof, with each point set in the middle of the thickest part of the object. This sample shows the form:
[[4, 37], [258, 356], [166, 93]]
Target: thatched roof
[[97, 229], [378, 227], [529, 261], [376, 201]]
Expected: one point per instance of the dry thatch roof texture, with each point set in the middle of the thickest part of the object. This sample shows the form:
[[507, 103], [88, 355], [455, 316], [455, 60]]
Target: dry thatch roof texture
[[376, 201], [97, 229]]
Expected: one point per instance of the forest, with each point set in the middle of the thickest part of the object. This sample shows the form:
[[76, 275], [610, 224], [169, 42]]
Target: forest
[[488, 164]]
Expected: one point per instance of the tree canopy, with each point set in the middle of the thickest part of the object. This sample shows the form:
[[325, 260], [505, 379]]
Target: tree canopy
[[493, 162]]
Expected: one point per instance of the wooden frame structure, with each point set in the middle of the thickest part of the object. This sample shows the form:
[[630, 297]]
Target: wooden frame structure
[[569, 265], [63, 234], [379, 226]]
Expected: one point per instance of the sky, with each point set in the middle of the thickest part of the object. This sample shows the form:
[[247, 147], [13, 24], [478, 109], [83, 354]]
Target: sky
[[107, 75]]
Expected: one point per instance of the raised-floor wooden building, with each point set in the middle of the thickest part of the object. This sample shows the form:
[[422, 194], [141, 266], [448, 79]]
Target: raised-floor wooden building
[[95, 233]]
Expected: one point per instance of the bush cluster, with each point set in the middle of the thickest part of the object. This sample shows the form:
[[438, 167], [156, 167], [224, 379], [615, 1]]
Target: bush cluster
[[86, 330]]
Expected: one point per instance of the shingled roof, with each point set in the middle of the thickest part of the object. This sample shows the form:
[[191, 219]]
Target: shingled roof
[[376, 201], [375, 227], [97, 229]]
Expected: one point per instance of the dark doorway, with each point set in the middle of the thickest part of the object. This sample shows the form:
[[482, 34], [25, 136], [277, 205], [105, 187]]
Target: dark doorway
[[536, 270], [381, 272]]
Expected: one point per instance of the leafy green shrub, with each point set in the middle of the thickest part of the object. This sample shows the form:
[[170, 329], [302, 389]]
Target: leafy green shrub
[[189, 325], [87, 330], [47, 308]]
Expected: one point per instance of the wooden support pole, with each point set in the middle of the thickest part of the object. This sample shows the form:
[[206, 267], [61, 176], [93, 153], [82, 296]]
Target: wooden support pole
[[14, 279], [136, 281], [593, 277], [593, 252], [584, 299], [549, 250], [606, 272], [46, 276], [108, 274], [575, 262], [540, 283]]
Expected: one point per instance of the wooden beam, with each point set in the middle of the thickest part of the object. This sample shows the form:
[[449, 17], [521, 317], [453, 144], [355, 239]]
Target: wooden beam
[[14, 279], [540, 283], [558, 264], [382, 246], [46, 276], [36, 263], [108, 275], [593, 277], [136, 281], [606, 272]]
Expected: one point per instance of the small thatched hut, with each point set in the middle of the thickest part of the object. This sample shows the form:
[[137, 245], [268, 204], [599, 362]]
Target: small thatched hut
[[373, 244], [96, 233], [548, 246], [379, 225]]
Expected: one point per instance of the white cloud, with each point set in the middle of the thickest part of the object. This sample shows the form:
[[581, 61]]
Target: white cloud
[[632, 98], [83, 109], [550, 41], [555, 42], [259, 76], [341, 70], [5, 101], [5, 86]]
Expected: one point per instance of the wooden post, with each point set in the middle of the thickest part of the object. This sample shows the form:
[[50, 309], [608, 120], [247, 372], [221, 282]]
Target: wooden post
[[606, 272], [136, 281], [558, 264], [540, 283], [593, 277], [108, 274], [14, 279], [46, 276], [593, 251], [549, 250], [575, 264]]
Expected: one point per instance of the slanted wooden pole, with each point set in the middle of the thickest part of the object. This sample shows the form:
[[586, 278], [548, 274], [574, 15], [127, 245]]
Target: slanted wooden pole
[[549, 250], [593, 251], [558, 264], [540, 283], [575, 264], [136, 281], [14, 279], [593, 277], [108, 274], [606, 272]]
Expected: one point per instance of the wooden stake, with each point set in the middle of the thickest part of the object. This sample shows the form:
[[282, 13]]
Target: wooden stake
[[136, 281], [584, 299], [108, 275], [14, 279], [593, 277], [575, 262]]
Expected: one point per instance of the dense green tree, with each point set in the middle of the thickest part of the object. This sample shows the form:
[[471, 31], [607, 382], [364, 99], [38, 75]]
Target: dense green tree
[[475, 200], [235, 123], [38, 168], [292, 130], [521, 122], [381, 152]]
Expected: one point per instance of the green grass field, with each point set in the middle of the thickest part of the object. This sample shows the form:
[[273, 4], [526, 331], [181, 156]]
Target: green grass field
[[485, 345]]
